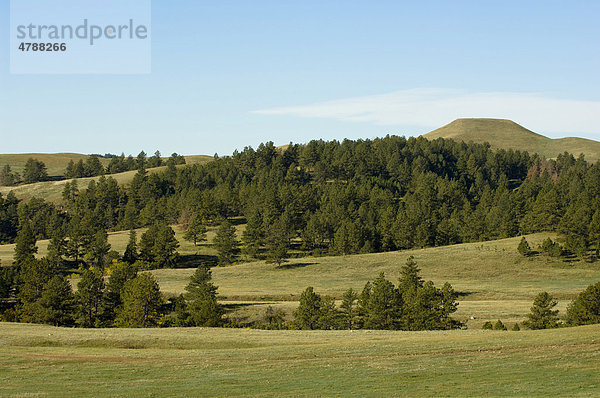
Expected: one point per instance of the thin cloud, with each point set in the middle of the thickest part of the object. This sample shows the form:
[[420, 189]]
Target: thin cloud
[[435, 107]]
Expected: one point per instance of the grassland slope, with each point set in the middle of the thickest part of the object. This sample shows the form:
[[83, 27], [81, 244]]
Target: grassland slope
[[506, 134]]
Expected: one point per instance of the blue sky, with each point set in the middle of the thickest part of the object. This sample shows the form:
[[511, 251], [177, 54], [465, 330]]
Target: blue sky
[[227, 74]]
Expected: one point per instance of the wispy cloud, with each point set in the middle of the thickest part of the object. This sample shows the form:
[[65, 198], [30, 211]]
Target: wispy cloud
[[435, 107]]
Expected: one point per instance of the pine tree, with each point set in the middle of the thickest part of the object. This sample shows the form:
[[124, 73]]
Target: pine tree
[[308, 313], [204, 310], [383, 309], [585, 309], [196, 231], [99, 249], [499, 325], [131, 255], [141, 303], [542, 316], [25, 247], [121, 272], [165, 247], [89, 298], [226, 243], [349, 299], [524, 249], [56, 305], [253, 236], [410, 280]]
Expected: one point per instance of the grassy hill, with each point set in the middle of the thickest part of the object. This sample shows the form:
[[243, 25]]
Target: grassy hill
[[55, 162], [52, 190], [506, 134], [42, 360]]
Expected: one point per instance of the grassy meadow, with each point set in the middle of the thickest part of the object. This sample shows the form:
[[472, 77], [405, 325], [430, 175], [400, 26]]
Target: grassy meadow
[[45, 361]]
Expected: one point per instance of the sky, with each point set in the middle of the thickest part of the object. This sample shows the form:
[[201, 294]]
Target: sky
[[230, 74]]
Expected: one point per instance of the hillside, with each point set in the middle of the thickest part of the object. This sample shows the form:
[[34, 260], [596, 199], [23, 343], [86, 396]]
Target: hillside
[[57, 162], [52, 190], [506, 134]]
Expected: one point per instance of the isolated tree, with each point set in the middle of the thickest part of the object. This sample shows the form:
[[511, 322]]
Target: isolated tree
[[131, 255], [487, 326], [25, 247], [35, 171], [277, 242], [89, 298], [203, 309], [141, 303], [226, 243], [585, 309], [196, 231], [542, 315], [524, 249], [516, 327]]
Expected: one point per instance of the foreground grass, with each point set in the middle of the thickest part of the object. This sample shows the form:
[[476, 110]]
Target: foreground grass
[[41, 360]]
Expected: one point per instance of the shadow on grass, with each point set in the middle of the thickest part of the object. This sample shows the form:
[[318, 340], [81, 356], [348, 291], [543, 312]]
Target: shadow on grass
[[195, 260], [295, 265]]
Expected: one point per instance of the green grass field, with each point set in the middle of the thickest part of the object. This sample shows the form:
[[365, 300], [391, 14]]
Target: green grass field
[[507, 134], [45, 361]]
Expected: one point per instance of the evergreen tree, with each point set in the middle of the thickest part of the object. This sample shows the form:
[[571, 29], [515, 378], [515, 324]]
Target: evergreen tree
[[410, 280], [383, 308], [226, 243], [33, 277], [542, 315], [89, 298], [165, 247], [7, 177], [121, 273], [585, 309], [348, 308], [308, 314], [35, 171], [141, 303], [25, 247], [499, 325], [99, 249], [131, 255], [278, 240], [487, 326], [516, 327], [253, 235], [196, 231], [524, 249], [56, 305], [204, 310]]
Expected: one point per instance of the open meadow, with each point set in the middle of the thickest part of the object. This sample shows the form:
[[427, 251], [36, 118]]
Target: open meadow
[[45, 361]]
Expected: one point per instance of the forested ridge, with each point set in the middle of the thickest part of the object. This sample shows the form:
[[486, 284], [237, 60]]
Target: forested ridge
[[341, 197], [333, 198]]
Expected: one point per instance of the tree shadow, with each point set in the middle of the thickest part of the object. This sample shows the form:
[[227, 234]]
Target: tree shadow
[[195, 260], [295, 265]]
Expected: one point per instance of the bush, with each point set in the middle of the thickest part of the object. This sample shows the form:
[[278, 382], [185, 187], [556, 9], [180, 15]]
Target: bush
[[524, 248], [499, 325], [487, 326], [516, 327]]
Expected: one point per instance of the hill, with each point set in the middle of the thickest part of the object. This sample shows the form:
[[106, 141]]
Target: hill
[[57, 162], [52, 190], [506, 134]]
